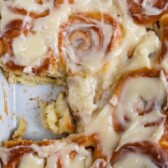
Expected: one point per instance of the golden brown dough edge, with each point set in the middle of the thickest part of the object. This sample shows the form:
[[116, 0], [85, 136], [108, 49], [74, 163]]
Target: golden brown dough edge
[[20, 77]]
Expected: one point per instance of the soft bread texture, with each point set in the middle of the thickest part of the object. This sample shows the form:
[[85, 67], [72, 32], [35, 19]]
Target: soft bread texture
[[31, 80], [56, 116]]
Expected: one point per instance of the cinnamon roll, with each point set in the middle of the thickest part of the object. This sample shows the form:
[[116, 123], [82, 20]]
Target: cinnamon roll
[[17, 36], [139, 106], [83, 41], [23, 49], [139, 116], [50, 154]]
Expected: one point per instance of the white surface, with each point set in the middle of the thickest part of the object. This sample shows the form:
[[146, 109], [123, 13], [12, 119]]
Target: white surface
[[6, 126], [23, 101]]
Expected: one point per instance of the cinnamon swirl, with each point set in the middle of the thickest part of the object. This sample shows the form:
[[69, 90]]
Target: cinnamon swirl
[[147, 11], [83, 38]]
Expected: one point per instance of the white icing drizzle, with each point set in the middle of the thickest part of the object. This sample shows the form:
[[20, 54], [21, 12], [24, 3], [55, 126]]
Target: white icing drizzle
[[103, 126], [150, 10], [61, 150], [28, 160], [141, 56], [30, 50], [132, 160], [31, 5], [49, 26], [4, 155]]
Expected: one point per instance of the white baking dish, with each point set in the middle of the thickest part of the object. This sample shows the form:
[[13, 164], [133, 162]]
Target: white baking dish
[[17, 100]]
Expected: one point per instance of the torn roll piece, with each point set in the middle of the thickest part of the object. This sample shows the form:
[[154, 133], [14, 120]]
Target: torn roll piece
[[21, 129], [56, 116]]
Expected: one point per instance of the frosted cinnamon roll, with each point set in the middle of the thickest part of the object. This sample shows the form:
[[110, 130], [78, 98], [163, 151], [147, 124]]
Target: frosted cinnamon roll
[[24, 51], [139, 155], [49, 154], [86, 40], [147, 11], [137, 104], [19, 35]]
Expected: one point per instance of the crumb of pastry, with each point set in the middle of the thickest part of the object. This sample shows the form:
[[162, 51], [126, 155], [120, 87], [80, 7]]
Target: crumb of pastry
[[19, 132]]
